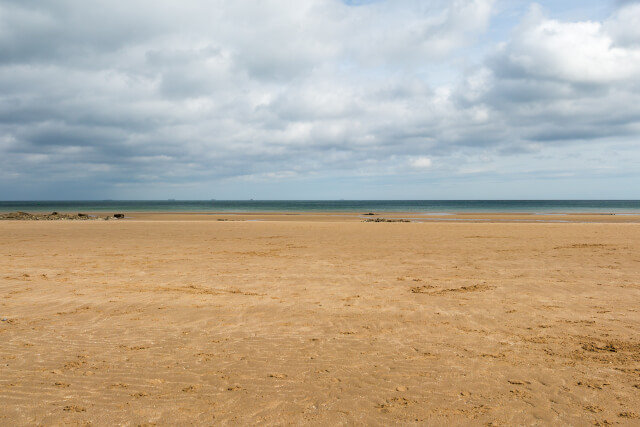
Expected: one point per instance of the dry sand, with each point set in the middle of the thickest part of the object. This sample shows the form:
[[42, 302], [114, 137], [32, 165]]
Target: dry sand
[[322, 320]]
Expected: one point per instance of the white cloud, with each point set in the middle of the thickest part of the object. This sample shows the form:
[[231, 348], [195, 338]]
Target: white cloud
[[578, 52], [624, 26], [420, 162], [556, 81]]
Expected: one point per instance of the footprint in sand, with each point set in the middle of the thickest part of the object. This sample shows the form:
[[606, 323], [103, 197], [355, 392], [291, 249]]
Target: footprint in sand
[[139, 394], [119, 385], [277, 376], [74, 408], [628, 414]]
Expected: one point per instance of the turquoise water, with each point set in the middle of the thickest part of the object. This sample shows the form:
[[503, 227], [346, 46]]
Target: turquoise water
[[362, 206]]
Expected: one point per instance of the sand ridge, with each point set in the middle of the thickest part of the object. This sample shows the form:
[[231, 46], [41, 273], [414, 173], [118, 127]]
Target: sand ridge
[[166, 321]]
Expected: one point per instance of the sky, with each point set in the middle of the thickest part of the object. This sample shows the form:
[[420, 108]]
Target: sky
[[319, 99]]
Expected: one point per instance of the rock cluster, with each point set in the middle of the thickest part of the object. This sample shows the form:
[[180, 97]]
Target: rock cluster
[[385, 220], [55, 216]]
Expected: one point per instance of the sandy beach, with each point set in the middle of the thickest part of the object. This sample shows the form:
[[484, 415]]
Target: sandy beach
[[193, 319]]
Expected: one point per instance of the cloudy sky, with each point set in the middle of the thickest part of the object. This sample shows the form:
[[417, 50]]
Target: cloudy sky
[[319, 99]]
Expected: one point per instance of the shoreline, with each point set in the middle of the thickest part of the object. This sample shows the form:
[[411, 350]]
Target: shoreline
[[309, 207], [333, 216]]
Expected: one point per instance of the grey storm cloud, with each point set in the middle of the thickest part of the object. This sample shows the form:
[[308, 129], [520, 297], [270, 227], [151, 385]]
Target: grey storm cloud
[[148, 91]]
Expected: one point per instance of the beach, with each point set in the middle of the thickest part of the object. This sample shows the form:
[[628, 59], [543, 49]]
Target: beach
[[321, 319]]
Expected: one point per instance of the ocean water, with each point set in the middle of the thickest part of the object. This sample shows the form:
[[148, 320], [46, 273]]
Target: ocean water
[[362, 206]]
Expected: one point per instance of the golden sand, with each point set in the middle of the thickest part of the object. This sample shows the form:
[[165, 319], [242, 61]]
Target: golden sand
[[320, 319]]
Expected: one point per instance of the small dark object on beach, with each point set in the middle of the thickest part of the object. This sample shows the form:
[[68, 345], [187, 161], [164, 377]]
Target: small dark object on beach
[[82, 215], [119, 216], [370, 213], [54, 213]]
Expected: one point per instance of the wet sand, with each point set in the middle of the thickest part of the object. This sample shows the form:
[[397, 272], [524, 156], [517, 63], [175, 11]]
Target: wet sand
[[320, 319]]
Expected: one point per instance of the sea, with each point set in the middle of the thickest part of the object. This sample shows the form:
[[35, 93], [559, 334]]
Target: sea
[[298, 206]]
